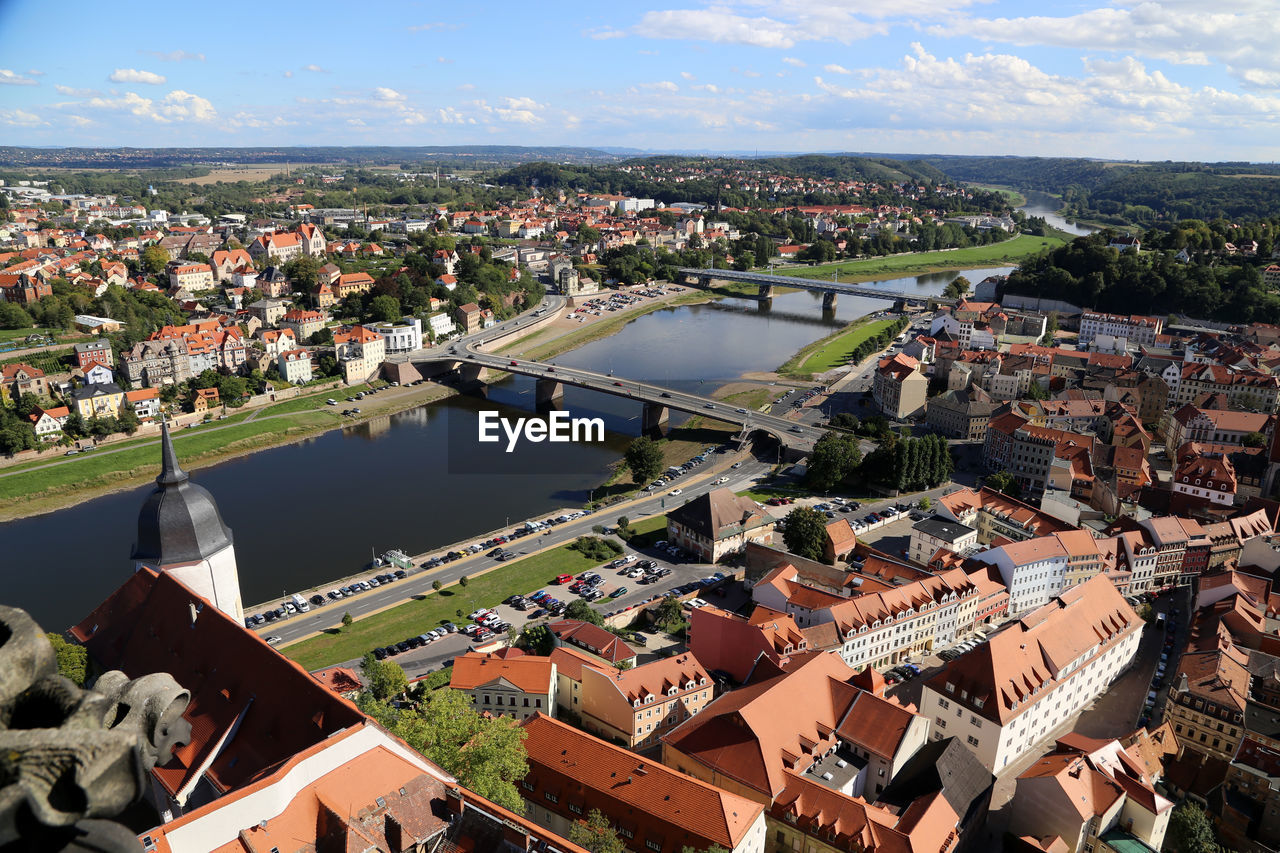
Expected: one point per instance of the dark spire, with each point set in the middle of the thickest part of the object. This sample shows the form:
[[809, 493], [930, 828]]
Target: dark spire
[[171, 473]]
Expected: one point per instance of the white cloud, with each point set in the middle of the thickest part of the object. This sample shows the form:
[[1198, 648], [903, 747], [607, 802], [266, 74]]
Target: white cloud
[[605, 33], [133, 75], [708, 87], [20, 118], [444, 60], [75, 93], [11, 78], [183, 105], [791, 60], [80, 121], [382, 93], [316, 69], [174, 55], [356, 122], [836, 69], [686, 75], [434, 25], [662, 86], [288, 74], [175, 106], [521, 110], [1241, 37], [788, 23]]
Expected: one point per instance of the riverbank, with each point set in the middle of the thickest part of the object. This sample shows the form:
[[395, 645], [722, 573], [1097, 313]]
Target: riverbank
[[1007, 253], [51, 486], [829, 352]]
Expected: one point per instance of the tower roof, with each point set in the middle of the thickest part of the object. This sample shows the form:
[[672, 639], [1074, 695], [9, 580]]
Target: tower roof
[[179, 521]]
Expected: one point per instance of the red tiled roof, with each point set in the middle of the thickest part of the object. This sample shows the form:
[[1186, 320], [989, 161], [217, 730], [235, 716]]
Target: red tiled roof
[[153, 623]]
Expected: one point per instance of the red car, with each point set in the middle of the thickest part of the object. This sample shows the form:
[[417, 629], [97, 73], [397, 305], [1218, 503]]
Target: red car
[[563, 578], [515, 364]]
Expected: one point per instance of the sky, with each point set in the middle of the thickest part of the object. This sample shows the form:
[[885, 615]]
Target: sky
[[1127, 79]]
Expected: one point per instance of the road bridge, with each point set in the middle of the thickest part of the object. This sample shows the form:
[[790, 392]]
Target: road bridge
[[473, 364], [830, 290]]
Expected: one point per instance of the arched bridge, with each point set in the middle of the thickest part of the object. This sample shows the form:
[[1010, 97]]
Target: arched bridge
[[829, 289], [656, 400]]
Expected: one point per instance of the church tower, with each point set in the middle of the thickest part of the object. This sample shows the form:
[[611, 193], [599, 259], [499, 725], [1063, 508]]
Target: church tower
[[180, 531]]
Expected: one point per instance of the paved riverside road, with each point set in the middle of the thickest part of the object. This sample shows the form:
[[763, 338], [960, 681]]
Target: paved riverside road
[[419, 582]]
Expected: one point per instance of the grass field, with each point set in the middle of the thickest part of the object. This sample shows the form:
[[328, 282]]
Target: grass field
[[40, 490], [240, 173], [429, 611], [832, 351], [648, 531], [995, 254], [1014, 197]]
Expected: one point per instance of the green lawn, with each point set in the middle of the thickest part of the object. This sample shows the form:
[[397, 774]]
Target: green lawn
[[648, 531], [996, 254], [421, 614], [104, 469], [20, 335], [833, 350]]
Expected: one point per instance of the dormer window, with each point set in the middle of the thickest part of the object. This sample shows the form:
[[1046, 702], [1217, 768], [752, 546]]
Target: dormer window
[[951, 688]]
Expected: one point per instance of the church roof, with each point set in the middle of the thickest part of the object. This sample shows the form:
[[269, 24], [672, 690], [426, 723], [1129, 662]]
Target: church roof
[[179, 521]]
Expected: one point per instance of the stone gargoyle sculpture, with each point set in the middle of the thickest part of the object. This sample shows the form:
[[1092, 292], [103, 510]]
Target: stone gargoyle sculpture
[[72, 758]]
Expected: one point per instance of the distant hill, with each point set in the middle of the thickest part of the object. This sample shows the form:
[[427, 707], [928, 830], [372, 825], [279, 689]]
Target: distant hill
[[448, 156]]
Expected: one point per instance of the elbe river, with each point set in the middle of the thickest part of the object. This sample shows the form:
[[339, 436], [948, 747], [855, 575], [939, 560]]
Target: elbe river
[[306, 513]]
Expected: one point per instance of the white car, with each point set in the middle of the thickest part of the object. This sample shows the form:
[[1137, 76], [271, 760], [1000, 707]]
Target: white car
[[676, 492], [721, 480], [476, 614]]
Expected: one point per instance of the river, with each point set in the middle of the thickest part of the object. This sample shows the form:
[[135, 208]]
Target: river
[[306, 513], [1047, 207]]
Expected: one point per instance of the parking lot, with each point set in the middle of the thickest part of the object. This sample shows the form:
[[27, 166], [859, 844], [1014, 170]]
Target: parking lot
[[619, 590]]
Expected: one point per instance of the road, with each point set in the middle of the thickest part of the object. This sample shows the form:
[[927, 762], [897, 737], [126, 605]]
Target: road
[[419, 582], [790, 432]]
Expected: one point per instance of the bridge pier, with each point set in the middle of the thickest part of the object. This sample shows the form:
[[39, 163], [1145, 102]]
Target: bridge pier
[[705, 281], [654, 417], [549, 392], [766, 291], [829, 301], [472, 373]]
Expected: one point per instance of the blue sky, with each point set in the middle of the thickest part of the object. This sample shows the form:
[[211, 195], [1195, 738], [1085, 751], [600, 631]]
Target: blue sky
[[1132, 79]]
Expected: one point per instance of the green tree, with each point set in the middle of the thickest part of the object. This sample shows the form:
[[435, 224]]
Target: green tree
[[436, 585], [72, 659], [1253, 439], [1003, 482], [669, 614], [583, 612], [644, 458], [12, 316], [486, 755], [587, 234], [834, 459], [347, 621], [233, 390], [462, 581], [806, 532], [128, 419], [385, 308], [386, 678], [302, 272], [153, 259], [596, 834], [925, 502], [957, 288], [1190, 831]]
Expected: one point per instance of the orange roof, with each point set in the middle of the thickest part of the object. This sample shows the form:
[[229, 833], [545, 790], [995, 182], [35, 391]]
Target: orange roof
[[528, 673], [653, 802], [153, 623], [339, 679]]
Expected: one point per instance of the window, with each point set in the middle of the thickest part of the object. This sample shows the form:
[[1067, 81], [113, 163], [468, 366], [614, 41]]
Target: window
[[626, 833], [655, 845], [555, 798], [526, 784], [575, 808]]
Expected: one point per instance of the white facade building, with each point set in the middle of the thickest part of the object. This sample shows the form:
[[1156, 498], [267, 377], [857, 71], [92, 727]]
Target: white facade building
[[403, 335], [1004, 696]]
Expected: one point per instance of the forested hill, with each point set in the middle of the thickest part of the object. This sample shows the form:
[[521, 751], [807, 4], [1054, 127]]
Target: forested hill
[[739, 182], [1212, 285], [446, 156], [1130, 193]]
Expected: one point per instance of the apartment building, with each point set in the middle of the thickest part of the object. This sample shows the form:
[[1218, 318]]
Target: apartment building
[[899, 388], [637, 706], [294, 366], [191, 277], [519, 687], [360, 352], [1034, 570], [1006, 694], [1214, 426], [931, 534], [996, 515], [1135, 329], [403, 335], [653, 808], [278, 248], [1208, 699], [719, 523], [1097, 795]]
